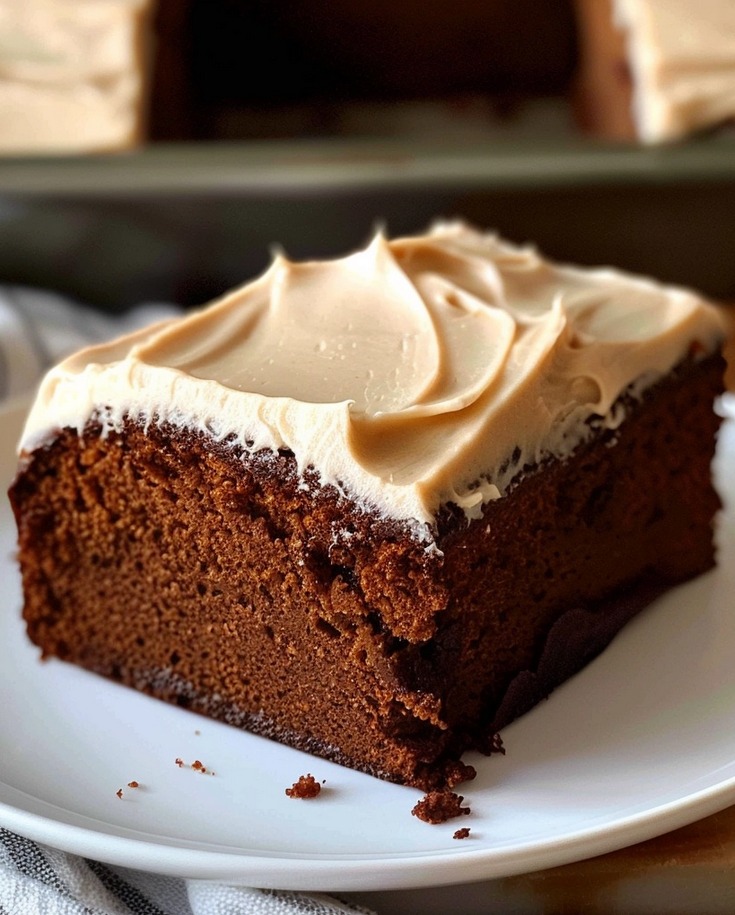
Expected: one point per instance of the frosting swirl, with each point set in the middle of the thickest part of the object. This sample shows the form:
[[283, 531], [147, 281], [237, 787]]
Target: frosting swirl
[[416, 372]]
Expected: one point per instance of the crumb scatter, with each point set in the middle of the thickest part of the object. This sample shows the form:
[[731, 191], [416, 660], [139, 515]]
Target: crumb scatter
[[440, 806], [197, 766], [462, 833], [306, 787]]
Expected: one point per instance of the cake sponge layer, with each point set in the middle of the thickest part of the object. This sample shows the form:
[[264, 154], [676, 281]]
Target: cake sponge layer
[[236, 585]]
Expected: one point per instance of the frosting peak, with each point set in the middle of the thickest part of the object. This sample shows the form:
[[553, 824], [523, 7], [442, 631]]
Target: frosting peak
[[413, 373]]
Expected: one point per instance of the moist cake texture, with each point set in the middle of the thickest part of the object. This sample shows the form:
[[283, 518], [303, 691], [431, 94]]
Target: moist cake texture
[[374, 508]]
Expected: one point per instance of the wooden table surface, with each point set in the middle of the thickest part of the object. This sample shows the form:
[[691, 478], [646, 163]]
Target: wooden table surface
[[687, 872], [690, 870]]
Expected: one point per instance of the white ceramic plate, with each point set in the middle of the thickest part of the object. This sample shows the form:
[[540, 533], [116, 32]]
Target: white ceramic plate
[[641, 742]]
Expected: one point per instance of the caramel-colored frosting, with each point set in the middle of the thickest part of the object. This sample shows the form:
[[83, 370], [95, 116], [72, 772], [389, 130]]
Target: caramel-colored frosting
[[682, 60], [413, 373]]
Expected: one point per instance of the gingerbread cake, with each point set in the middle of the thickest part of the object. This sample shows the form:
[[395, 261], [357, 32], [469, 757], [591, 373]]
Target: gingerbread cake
[[377, 507]]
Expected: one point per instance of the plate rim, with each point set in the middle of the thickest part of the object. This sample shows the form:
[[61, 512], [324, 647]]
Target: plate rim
[[331, 873]]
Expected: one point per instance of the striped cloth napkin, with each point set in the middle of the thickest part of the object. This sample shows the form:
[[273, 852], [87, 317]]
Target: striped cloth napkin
[[37, 329]]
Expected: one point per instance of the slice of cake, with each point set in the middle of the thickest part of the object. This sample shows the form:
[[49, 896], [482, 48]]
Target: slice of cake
[[376, 507]]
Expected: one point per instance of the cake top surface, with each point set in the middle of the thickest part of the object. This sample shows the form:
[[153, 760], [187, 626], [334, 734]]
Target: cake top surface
[[682, 60], [414, 373]]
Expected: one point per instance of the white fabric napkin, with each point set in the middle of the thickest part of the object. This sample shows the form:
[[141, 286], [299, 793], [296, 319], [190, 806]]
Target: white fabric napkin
[[39, 328], [36, 330]]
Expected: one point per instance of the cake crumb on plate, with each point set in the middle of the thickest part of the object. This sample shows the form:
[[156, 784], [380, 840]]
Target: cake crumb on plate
[[440, 806], [306, 787]]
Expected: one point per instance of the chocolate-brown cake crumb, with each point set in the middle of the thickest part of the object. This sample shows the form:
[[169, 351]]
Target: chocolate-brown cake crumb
[[491, 744], [133, 784], [197, 766], [119, 792], [458, 772], [462, 833], [306, 787], [440, 806]]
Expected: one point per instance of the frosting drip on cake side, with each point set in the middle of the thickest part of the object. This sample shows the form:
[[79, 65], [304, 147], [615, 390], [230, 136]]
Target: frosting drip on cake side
[[416, 372]]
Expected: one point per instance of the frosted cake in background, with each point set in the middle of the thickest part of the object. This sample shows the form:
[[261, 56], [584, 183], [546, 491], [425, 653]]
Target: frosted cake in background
[[74, 74], [655, 70]]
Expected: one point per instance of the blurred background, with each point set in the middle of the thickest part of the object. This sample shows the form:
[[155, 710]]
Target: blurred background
[[159, 150]]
